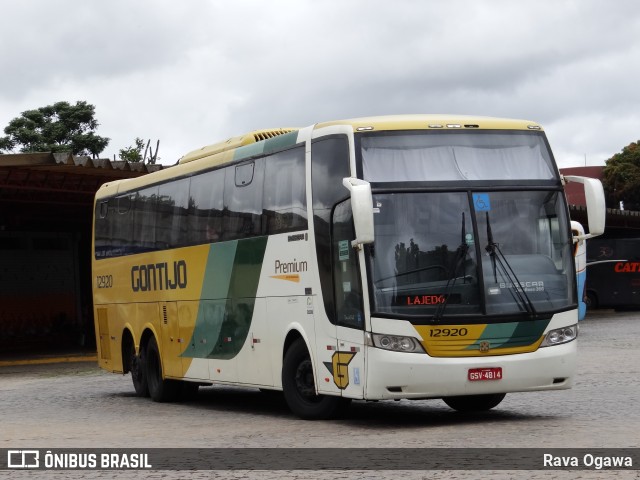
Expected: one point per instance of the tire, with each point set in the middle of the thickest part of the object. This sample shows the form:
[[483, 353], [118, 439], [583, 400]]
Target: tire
[[137, 368], [160, 390], [474, 403], [299, 387]]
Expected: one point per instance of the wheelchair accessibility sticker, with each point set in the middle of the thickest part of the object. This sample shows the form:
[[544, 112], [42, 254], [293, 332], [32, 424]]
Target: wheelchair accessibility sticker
[[481, 202]]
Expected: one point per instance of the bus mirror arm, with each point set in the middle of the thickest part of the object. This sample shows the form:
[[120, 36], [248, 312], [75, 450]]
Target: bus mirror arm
[[362, 207], [596, 207]]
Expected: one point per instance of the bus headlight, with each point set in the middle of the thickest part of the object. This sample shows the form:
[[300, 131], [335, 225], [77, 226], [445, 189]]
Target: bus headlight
[[395, 343], [560, 335]]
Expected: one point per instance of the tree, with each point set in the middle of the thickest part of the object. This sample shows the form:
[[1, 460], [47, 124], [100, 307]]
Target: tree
[[60, 127], [621, 178], [133, 153]]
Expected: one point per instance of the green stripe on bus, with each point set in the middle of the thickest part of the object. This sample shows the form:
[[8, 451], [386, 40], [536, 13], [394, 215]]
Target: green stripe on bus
[[513, 334], [228, 295], [247, 151], [280, 142]]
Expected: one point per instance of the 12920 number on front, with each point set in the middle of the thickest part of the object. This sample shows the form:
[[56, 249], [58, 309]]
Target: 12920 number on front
[[448, 332]]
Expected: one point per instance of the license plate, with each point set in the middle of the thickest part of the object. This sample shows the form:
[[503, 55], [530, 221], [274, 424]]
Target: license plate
[[482, 374]]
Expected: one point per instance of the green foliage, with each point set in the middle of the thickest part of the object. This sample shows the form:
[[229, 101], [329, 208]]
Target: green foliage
[[621, 178], [60, 127], [133, 153]]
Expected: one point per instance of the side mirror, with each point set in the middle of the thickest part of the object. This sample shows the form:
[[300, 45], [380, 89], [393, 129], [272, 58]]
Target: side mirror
[[596, 207], [362, 207]]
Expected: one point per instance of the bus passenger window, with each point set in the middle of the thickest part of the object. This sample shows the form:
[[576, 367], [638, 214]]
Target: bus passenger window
[[205, 207], [243, 201]]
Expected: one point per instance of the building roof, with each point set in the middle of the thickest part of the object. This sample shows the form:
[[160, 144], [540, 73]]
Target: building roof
[[35, 186]]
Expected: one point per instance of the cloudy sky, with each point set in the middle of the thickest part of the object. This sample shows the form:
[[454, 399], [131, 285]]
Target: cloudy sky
[[191, 73]]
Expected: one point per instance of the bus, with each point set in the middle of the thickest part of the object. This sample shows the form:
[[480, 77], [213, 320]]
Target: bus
[[393, 257], [613, 263], [580, 254]]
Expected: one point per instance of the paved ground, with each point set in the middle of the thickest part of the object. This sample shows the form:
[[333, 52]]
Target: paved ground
[[76, 405]]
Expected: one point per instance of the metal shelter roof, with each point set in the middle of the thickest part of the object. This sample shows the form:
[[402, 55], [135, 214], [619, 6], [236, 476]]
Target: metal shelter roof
[[36, 186]]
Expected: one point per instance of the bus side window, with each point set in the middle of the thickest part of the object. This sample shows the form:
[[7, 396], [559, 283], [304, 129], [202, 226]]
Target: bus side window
[[285, 204], [243, 200], [144, 219], [171, 220], [205, 207], [346, 272], [329, 165]]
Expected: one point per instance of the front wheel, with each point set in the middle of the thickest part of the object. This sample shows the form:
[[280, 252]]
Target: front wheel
[[474, 403], [300, 390]]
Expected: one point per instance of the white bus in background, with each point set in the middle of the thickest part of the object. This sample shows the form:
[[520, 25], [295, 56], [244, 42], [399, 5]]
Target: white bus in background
[[580, 254]]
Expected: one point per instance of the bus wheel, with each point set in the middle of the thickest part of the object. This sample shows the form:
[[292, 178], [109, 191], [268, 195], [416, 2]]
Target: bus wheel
[[299, 387], [591, 299], [160, 390], [474, 403], [137, 368]]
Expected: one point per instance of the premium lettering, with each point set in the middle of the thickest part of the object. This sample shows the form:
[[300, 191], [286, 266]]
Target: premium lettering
[[159, 276], [290, 267]]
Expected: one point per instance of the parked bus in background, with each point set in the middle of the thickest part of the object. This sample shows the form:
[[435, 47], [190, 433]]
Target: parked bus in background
[[394, 257], [580, 254], [613, 266]]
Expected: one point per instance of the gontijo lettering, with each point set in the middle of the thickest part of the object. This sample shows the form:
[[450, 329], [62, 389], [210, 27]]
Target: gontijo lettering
[[159, 276]]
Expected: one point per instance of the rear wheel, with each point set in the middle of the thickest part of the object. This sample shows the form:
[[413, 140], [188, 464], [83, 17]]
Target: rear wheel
[[160, 390], [474, 403], [299, 387], [137, 369]]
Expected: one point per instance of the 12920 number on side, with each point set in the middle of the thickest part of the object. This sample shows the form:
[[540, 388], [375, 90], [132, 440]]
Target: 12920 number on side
[[104, 281], [448, 332]]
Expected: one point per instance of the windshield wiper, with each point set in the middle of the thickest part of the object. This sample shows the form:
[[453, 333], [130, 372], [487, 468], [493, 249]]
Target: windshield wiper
[[500, 262]]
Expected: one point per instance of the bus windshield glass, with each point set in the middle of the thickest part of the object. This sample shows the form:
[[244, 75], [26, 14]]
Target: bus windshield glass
[[479, 249], [471, 253], [456, 156]]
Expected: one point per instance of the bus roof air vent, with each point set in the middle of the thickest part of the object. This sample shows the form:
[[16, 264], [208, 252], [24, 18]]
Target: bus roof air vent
[[235, 142], [267, 134]]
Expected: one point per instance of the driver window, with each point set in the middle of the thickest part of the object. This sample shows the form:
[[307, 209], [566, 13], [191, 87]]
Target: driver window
[[346, 273]]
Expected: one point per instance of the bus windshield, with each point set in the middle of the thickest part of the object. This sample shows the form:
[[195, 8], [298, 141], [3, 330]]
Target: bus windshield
[[471, 253], [456, 156], [454, 236]]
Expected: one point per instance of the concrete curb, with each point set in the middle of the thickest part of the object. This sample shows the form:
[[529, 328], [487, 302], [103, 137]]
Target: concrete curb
[[49, 360]]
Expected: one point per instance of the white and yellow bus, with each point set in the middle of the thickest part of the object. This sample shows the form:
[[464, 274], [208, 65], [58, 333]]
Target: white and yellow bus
[[414, 256]]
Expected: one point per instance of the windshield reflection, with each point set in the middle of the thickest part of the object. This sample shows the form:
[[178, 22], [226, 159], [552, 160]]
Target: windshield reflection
[[425, 257]]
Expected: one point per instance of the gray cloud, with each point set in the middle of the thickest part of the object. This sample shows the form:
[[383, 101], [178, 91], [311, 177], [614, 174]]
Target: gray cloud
[[196, 72]]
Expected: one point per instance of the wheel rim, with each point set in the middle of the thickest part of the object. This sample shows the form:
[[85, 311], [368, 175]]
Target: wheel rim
[[305, 385]]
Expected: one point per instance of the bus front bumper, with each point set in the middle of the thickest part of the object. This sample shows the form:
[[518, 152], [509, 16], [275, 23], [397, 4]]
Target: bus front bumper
[[395, 375]]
